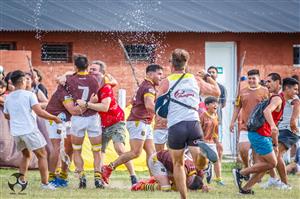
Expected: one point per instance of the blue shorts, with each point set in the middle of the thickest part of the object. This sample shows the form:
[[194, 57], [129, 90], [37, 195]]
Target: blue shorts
[[262, 145]]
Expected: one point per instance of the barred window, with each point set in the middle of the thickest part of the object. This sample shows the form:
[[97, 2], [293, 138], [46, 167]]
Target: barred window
[[7, 46], [296, 55], [141, 52], [57, 52]]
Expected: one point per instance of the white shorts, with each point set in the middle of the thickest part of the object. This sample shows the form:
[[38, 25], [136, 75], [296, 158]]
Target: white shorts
[[213, 147], [31, 141], [244, 137], [156, 167], [52, 129], [139, 130], [160, 136], [91, 125]]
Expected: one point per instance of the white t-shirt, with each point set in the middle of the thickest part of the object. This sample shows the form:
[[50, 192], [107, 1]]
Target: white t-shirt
[[22, 119]]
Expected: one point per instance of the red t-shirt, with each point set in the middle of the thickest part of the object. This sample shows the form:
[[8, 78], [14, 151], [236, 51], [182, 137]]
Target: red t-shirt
[[265, 129], [115, 114]]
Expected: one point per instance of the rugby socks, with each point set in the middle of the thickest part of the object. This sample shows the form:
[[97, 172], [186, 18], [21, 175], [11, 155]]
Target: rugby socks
[[51, 176], [97, 175], [63, 175], [111, 165], [151, 187], [165, 188]]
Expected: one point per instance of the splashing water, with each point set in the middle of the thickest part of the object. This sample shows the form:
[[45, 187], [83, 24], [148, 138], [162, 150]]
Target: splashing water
[[36, 19]]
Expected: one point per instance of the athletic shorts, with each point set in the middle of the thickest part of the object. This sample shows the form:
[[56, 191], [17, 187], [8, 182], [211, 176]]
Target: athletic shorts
[[287, 138], [139, 130], [116, 133], [184, 133], [31, 141], [262, 145], [243, 137], [91, 125], [156, 167], [52, 129], [213, 147], [160, 136]]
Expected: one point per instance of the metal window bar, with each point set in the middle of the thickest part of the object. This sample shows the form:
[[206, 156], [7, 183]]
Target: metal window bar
[[140, 52], [55, 52]]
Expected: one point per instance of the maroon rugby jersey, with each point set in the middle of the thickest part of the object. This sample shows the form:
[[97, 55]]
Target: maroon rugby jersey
[[165, 158], [55, 105], [82, 86], [138, 110]]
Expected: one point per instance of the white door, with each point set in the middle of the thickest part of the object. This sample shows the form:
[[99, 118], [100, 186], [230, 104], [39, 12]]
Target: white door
[[223, 56]]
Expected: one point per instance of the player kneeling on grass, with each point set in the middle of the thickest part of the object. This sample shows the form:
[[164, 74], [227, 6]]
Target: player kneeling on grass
[[18, 108], [209, 122], [161, 166]]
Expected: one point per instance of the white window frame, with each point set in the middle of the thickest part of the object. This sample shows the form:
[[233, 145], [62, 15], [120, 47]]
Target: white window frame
[[295, 45]]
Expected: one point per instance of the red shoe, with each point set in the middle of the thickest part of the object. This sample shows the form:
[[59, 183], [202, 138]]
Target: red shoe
[[151, 180], [139, 186], [106, 173]]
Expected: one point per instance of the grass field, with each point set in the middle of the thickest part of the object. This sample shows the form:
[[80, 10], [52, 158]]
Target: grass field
[[120, 184]]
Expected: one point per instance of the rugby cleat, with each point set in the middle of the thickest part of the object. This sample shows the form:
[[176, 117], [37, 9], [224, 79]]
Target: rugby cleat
[[106, 173], [99, 183], [139, 186], [248, 192], [82, 182], [207, 151], [209, 173], [237, 177]]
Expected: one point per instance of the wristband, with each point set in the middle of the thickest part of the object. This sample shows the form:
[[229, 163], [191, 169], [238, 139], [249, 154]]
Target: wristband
[[86, 104]]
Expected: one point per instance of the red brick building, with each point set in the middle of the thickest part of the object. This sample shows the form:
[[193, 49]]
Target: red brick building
[[213, 33]]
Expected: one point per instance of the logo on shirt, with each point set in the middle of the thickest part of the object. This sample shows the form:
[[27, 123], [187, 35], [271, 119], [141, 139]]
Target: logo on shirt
[[182, 94]]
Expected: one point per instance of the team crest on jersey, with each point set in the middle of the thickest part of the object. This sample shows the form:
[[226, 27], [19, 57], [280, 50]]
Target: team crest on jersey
[[143, 133]]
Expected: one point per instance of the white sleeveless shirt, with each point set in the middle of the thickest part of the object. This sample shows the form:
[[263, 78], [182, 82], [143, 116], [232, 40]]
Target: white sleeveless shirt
[[286, 117], [187, 92]]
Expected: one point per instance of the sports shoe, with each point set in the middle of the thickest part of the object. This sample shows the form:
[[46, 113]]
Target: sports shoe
[[207, 151], [99, 183], [133, 179], [139, 186], [283, 186], [248, 192], [48, 186], [219, 182], [271, 182], [237, 177], [209, 173], [106, 173], [59, 182], [82, 182]]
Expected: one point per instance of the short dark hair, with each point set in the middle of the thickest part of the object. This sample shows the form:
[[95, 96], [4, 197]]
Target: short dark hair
[[81, 62], [296, 77], [275, 77], [179, 58], [210, 100], [16, 76], [153, 68], [213, 67], [39, 74], [253, 72], [3, 83], [197, 183], [288, 82]]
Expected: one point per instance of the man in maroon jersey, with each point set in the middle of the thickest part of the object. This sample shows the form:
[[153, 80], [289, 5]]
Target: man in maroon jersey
[[161, 167], [139, 121], [57, 106], [111, 114], [83, 85], [264, 141]]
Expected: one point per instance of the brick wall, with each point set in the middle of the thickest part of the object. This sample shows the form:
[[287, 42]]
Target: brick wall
[[268, 52]]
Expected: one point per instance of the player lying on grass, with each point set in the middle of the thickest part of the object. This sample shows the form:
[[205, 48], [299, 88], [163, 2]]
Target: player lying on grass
[[161, 166]]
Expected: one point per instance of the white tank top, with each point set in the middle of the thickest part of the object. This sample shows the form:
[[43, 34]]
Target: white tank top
[[286, 117], [187, 92]]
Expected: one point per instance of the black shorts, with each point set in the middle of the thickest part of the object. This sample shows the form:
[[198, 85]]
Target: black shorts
[[185, 133], [287, 138]]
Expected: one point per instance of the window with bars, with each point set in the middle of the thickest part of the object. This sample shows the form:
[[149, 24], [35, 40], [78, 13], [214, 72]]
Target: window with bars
[[7, 46], [296, 49], [57, 52], [141, 52]]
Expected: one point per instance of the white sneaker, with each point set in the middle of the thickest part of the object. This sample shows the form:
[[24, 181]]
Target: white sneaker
[[284, 186], [48, 186], [271, 182]]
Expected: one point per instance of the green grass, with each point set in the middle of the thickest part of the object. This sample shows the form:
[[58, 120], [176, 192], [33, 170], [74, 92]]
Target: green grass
[[120, 184]]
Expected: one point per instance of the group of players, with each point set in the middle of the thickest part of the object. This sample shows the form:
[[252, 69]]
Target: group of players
[[84, 103]]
